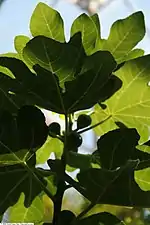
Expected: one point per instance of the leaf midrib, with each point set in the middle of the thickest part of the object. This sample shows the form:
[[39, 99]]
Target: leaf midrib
[[87, 90], [48, 27], [57, 87], [122, 40]]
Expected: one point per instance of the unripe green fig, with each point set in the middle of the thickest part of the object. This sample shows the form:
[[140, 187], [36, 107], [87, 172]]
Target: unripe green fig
[[54, 129], [83, 121], [74, 140]]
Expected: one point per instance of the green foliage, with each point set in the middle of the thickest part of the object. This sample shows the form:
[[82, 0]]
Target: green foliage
[[60, 58], [51, 145], [128, 105], [47, 22], [117, 147], [124, 36], [110, 79], [101, 218], [89, 29], [33, 213], [20, 42]]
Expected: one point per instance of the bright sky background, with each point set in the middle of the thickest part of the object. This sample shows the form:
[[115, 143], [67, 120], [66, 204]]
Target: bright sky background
[[15, 16]]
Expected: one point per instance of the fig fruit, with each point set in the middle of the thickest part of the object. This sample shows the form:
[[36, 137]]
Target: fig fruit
[[54, 129], [83, 121], [74, 140]]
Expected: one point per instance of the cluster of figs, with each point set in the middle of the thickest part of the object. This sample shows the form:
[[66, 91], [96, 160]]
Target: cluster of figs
[[73, 137]]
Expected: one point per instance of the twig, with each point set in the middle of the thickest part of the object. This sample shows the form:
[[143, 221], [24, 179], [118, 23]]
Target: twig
[[95, 125], [75, 185], [85, 211]]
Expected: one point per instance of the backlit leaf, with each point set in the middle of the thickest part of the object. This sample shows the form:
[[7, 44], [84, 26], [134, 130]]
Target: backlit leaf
[[89, 29], [142, 179], [95, 19], [47, 22], [124, 36], [135, 53], [130, 105], [51, 145], [33, 214], [20, 42]]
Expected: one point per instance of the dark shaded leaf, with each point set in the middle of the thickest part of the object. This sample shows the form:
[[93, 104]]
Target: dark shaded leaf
[[40, 89], [32, 127], [30, 88], [118, 146], [116, 187], [90, 90], [81, 161], [92, 86], [76, 40], [16, 179], [103, 218], [63, 59], [7, 101], [27, 130]]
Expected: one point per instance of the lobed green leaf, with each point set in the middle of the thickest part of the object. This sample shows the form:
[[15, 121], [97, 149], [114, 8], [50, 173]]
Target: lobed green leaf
[[130, 105], [47, 22], [124, 35]]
